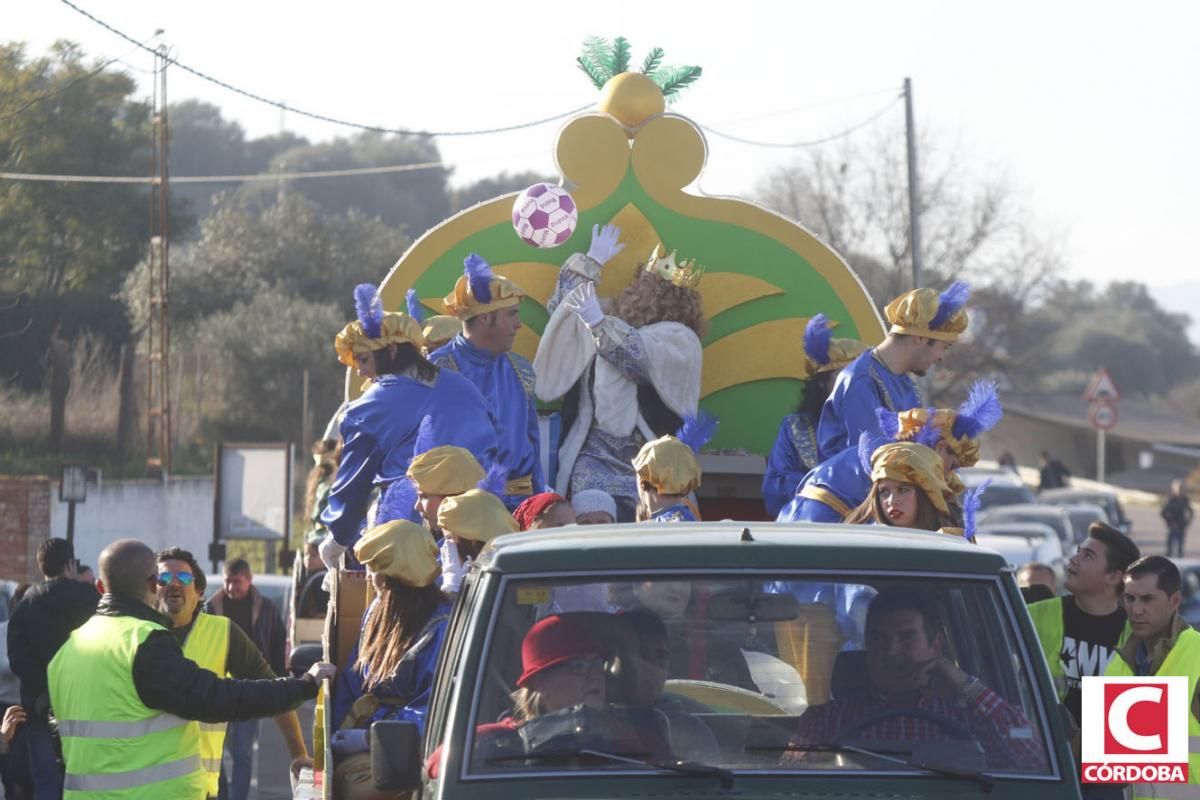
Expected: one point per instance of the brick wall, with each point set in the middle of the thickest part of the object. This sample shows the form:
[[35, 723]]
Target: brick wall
[[24, 524]]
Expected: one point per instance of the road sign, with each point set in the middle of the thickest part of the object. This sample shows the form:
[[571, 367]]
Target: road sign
[[1103, 416], [1102, 388]]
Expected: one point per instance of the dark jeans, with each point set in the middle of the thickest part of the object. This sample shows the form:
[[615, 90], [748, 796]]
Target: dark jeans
[[1175, 542], [44, 766], [238, 768]]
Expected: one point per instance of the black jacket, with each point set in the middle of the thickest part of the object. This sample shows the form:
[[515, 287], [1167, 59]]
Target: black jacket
[[266, 626], [165, 680], [40, 624]]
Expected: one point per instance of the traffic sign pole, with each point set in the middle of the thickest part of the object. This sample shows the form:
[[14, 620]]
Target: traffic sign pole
[[1100, 454]]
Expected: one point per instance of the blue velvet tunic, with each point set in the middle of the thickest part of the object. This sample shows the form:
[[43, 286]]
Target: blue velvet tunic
[[794, 454], [842, 476], [865, 385]]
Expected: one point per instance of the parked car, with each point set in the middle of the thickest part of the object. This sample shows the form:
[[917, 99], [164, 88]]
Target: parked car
[[1189, 573], [1005, 487], [1054, 516], [713, 578], [10, 685], [1023, 542], [1106, 500], [1082, 516]]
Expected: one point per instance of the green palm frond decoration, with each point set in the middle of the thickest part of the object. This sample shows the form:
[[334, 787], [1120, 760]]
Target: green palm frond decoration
[[620, 55], [603, 60], [653, 62], [674, 79]]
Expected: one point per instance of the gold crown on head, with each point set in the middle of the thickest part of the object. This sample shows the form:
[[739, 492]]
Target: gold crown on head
[[685, 273]]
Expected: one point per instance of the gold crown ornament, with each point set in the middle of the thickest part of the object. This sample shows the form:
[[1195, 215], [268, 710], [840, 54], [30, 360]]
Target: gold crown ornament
[[685, 273]]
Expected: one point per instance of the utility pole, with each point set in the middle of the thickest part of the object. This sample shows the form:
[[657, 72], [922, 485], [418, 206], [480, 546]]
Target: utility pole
[[158, 334], [914, 214]]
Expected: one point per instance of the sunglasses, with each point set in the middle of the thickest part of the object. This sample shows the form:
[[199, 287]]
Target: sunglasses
[[184, 578]]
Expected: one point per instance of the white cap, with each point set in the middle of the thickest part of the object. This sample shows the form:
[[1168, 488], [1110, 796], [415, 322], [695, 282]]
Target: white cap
[[590, 500]]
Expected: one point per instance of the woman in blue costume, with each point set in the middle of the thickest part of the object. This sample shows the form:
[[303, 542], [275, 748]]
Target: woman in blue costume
[[830, 491], [795, 450], [489, 308], [380, 428], [667, 472], [394, 662], [924, 326]]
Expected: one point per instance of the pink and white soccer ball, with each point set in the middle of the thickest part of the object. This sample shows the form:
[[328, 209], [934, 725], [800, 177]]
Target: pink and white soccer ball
[[544, 215]]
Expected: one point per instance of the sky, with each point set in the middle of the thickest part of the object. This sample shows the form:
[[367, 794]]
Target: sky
[[1089, 110]]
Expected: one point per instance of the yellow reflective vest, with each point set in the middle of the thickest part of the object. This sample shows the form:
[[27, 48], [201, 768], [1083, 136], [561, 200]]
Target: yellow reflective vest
[[1047, 616], [208, 645], [1184, 659], [116, 747]]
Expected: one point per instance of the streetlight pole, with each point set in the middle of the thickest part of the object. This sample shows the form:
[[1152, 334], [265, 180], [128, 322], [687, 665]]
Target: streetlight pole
[[914, 202]]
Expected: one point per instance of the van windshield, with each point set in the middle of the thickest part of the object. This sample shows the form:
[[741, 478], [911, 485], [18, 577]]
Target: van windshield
[[766, 673]]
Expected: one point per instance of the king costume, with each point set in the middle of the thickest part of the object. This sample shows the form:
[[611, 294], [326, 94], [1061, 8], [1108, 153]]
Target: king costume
[[623, 386], [505, 379], [380, 428], [867, 383]]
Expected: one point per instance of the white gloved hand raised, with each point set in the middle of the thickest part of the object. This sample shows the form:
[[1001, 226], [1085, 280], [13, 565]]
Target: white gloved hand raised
[[582, 300], [453, 568], [605, 243], [331, 555]]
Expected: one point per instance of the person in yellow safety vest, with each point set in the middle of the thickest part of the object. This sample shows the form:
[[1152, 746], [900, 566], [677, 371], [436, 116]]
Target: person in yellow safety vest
[[127, 701], [1081, 632], [1161, 644], [219, 647]]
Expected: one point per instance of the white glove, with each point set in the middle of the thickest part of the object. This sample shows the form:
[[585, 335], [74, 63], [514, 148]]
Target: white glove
[[605, 243], [453, 568], [582, 300], [331, 552]]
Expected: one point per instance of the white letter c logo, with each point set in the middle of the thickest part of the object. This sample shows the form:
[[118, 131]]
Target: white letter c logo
[[1118, 718]]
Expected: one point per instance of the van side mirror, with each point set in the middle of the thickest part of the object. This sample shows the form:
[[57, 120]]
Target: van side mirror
[[302, 657], [396, 756]]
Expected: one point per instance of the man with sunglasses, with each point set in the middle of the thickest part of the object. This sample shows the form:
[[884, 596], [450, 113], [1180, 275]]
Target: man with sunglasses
[[218, 646], [127, 699]]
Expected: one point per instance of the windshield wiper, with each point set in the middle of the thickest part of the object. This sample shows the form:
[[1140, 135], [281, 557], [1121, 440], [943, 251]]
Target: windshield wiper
[[984, 779], [680, 767]]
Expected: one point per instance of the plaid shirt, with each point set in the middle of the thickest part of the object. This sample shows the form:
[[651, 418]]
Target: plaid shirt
[[1009, 740]]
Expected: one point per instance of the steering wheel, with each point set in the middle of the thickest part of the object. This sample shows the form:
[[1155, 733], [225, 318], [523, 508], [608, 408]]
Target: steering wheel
[[945, 723]]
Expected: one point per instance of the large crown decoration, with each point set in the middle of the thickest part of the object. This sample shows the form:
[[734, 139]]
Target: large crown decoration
[[685, 273]]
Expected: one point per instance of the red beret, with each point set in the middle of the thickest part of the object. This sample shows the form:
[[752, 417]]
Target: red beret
[[532, 507]]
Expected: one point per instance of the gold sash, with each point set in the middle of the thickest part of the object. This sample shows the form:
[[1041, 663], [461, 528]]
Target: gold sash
[[827, 497]]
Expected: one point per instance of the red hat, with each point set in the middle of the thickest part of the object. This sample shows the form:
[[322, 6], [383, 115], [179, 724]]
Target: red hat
[[550, 642], [532, 507]]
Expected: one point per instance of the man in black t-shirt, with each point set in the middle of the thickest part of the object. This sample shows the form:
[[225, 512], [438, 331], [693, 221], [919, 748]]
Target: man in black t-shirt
[[1081, 631]]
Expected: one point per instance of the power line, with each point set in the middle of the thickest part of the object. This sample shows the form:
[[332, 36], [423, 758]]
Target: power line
[[269, 176], [813, 142], [834, 101], [324, 117]]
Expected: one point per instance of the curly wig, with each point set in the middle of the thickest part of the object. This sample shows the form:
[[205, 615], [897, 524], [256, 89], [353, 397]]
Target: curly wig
[[649, 299]]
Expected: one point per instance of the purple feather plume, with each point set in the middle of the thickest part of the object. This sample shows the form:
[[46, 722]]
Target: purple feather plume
[[479, 276], [496, 480], [949, 303], [980, 412], [426, 438], [696, 431], [930, 433], [971, 505], [868, 443], [889, 422], [817, 335], [369, 307], [397, 502], [414, 306]]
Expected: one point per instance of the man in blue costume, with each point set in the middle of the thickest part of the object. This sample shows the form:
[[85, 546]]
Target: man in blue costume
[[795, 449], [835, 487], [380, 428], [924, 326], [668, 472], [489, 308]]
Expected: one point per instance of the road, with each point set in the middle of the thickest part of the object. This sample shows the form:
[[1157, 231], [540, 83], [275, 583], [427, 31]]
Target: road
[[271, 781]]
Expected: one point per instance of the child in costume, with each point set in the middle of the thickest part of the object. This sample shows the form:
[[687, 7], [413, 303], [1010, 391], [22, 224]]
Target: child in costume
[[795, 451], [924, 325], [379, 429], [627, 374], [908, 486], [667, 472], [488, 307], [829, 492], [469, 521]]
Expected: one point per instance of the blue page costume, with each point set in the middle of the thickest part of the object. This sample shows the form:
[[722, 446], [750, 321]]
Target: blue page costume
[[868, 384], [505, 379], [795, 451], [380, 428], [668, 465]]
